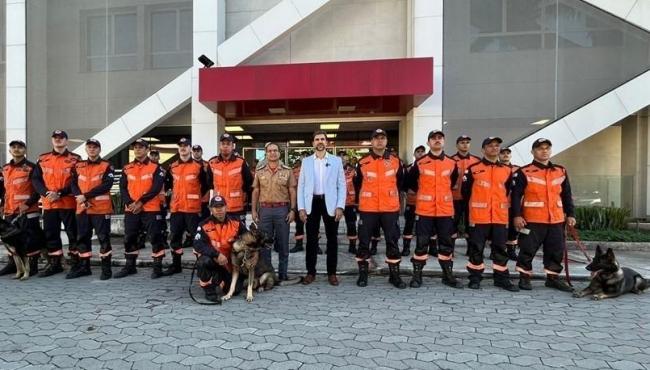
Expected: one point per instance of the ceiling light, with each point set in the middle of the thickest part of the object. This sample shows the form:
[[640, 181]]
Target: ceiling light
[[296, 141], [152, 139], [244, 137], [365, 143], [331, 136], [279, 110], [329, 126], [363, 150], [541, 122], [234, 129], [347, 108]]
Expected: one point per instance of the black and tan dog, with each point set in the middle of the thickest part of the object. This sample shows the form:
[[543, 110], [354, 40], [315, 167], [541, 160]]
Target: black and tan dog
[[609, 280], [18, 241]]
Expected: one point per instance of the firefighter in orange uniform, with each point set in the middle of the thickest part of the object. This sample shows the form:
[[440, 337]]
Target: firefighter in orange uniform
[[140, 186], [230, 176], [91, 184], [213, 244], [188, 181], [197, 154], [299, 235], [432, 178], [485, 188], [350, 211], [409, 210], [378, 182], [541, 204], [52, 178], [505, 154], [463, 159], [18, 198]]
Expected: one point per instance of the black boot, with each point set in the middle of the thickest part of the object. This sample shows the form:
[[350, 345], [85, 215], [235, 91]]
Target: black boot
[[212, 293], [10, 268], [475, 278], [175, 267], [33, 265], [352, 248], [448, 277], [157, 268], [394, 278], [82, 269], [512, 252], [407, 247], [502, 280], [554, 281], [73, 261], [107, 273], [298, 247], [373, 246], [433, 247], [129, 267], [362, 281], [54, 267], [416, 280], [524, 282]]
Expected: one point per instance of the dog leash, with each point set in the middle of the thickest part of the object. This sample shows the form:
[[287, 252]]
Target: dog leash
[[573, 233], [189, 289]]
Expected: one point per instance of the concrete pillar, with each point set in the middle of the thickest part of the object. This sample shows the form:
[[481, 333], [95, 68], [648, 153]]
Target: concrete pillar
[[16, 72], [209, 18], [424, 39], [635, 164]]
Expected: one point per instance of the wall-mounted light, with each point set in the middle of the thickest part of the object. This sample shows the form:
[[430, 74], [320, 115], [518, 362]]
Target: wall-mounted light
[[207, 62]]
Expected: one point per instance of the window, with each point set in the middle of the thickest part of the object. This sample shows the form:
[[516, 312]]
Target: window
[[111, 41], [2, 32], [171, 36]]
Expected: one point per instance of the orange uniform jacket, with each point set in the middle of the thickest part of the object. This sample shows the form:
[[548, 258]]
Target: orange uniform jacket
[[54, 173], [94, 180], [350, 191], [214, 238], [142, 181], [541, 194], [379, 180], [432, 178], [231, 179], [188, 184], [16, 187], [463, 163], [485, 188]]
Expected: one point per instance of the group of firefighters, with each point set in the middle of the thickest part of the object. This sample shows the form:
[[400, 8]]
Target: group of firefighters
[[496, 202]]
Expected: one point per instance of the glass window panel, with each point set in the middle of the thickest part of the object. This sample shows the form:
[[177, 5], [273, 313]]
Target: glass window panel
[[96, 35], [486, 16], [186, 30], [126, 34], [123, 63], [523, 15], [493, 44], [172, 60], [163, 31]]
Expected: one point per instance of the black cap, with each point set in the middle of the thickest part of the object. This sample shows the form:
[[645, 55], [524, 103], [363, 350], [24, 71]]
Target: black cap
[[154, 152], [93, 142], [490, 139], [226, 136], [378, 132], [59, 133], [197, 147], [419, 147], [506, 149], [541, 141], [184, 141], [433, 133], [142, 142], [217, 201], [463, 137], [18, 142]]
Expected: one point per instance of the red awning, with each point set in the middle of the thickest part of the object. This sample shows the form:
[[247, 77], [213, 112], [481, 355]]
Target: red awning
[[369, 87]]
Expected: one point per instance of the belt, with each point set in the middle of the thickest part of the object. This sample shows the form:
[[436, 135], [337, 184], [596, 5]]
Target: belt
[[274, 204], [319, 196]]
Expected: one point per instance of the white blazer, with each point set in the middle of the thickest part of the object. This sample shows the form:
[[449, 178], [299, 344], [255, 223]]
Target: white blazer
[[334, 184]]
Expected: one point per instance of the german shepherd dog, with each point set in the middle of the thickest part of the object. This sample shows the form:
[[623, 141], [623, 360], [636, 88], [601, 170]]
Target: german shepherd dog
[[245, 259], [609, 280], [17, 241]]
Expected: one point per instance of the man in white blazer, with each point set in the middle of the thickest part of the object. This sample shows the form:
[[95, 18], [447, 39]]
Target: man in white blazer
[[321, 194]]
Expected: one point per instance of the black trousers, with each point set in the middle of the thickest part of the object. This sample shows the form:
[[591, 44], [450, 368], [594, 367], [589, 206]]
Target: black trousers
[[460, 217], [318, 212], [350, 215], [102, 226], [513, 234], [34, 236], [371, 221], [478, 236], [205, 211], [300, 230], [150, 223], [427, 227], [409, 221], [551, 237], [209, 272], [52, 219], [181, 223]]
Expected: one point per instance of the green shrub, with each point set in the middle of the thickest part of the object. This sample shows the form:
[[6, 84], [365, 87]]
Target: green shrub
[[602, 218], [615, 236]]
